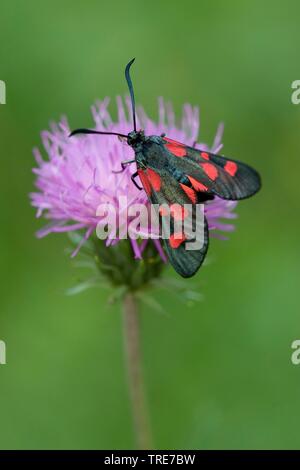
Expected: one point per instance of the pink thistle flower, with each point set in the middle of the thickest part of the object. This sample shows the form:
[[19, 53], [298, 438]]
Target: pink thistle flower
[[79, 175]]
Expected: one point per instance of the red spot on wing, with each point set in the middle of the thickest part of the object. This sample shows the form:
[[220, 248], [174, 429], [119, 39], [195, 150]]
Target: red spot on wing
[[210, 170], [176, 148], [163, 211], [204, 155], [145, 182], [178, 212], [176, 239], [197, 185], [154, 179], [190, 193], [231, 168]]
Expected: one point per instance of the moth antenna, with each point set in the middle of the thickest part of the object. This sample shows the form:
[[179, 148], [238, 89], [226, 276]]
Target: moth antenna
[[129, 83], [91, 131]]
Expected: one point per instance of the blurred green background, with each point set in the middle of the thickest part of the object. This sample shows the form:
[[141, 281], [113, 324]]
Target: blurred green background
[[218, 374]]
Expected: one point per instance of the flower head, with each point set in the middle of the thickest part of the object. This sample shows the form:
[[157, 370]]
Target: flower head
[[79, 173]]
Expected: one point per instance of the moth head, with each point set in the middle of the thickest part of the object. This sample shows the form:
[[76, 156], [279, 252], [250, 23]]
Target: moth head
[[135, 138]]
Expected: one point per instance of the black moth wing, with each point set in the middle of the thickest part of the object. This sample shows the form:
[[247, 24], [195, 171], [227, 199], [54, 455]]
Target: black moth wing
[[163, 190], [224, 177]]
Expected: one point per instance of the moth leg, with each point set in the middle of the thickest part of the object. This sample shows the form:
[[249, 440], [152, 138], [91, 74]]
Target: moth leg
[[123, 165], [133, 176]]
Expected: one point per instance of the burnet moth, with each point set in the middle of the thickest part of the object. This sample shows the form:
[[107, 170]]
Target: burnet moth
[[172, 173]]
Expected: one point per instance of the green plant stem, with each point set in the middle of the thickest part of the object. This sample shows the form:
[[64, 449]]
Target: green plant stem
[[131, 329]]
